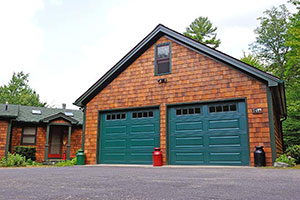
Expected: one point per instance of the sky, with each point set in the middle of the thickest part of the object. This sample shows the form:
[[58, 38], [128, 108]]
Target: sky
[[67, 45]]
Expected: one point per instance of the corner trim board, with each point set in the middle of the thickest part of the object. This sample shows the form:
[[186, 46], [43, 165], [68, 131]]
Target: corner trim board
[[271, 125]]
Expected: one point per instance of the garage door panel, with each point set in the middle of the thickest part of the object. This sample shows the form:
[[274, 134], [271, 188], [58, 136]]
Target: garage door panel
[[114, 157], [142, 143], [188, 142], [225, 158], [189, 157], [225, 141], [112, 144], [194, 125], [223, 124], [140, 158], [143, 129], [113, 130]]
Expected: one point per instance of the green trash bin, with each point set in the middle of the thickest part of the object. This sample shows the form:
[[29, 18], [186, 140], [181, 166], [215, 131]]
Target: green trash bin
[[80, 157]]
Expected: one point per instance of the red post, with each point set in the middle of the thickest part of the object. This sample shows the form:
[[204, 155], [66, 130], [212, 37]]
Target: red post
[[157, 157], [64, 157]]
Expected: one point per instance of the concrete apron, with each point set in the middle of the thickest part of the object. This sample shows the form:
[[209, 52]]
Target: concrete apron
[[168, 166]]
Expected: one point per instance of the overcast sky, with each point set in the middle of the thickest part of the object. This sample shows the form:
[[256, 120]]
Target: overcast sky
[[67, 45]]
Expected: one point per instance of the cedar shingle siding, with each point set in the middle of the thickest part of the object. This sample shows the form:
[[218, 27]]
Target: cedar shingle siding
[[3, 133], [194, 78]]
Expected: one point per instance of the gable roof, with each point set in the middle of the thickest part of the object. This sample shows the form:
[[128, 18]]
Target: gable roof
[[59, 115], [24, 113], [151, 38]]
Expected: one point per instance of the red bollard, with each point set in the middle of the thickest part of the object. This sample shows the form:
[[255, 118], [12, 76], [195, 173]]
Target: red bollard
[[64, 156], [157, 157]]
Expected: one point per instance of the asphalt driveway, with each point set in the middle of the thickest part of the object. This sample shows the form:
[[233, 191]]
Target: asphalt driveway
[[148, 183]]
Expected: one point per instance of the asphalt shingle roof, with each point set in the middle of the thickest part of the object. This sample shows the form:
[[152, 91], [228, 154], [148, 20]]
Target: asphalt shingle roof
[[24, 113], [11, 112]]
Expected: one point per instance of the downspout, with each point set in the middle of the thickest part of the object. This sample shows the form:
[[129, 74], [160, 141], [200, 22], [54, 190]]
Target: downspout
[[283, 99], [281, 121]]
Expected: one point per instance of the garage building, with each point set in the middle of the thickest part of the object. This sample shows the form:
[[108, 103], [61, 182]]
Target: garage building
[[201, 106]]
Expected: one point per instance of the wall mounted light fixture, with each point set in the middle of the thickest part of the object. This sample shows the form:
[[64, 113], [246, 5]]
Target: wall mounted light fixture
[[162, 80]]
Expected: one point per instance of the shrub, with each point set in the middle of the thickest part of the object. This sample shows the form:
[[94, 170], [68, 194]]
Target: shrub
[[27, 152], [33, 163], [13, 160], [74, 161], [294, 151], [66, 163], [284, 158]]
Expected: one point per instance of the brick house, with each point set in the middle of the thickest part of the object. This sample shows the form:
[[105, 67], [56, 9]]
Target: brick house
[[52, 131], [199, 105]]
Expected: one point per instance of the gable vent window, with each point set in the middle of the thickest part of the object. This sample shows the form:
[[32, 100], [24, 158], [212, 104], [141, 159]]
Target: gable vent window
[[163, 59]]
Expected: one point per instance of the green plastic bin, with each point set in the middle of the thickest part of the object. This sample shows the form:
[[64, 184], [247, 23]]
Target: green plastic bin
[[80, 157]]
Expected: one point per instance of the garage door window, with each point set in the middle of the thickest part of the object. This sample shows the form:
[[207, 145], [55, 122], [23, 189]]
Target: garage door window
[[145, 114], [116, 116], [222, 108], [188, 111]]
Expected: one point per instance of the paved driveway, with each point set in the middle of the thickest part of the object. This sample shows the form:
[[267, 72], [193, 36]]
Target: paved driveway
[[148, 183]]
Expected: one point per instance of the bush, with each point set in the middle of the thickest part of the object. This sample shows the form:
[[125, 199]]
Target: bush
[[67, 163], [33, 163], [294, 152], [13, 160], [27, 152], [74, 161], [284, 158]]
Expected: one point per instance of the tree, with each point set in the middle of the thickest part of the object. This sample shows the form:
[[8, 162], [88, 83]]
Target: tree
[[252, 60], [277, 45], [17, 91], [293, 42], [270, 45], [291, 126], [202, 30]]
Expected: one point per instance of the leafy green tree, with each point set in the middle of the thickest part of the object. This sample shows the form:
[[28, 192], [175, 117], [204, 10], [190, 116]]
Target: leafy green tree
[[202, 30], [293, 42], [270, 45], [277, 45], [291, 127], [18, 91], [252, 60]]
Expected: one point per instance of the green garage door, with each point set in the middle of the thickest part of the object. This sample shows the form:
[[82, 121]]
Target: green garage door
[[208, 134], [129, 137]]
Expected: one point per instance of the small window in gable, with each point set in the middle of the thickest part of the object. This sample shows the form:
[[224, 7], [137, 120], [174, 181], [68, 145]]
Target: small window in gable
[[163, 59]]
